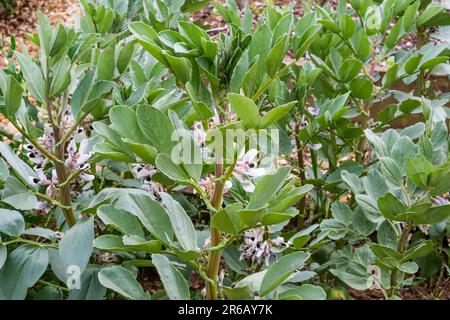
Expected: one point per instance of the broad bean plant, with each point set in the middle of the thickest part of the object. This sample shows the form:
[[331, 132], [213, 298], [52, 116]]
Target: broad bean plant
[[261, 160]]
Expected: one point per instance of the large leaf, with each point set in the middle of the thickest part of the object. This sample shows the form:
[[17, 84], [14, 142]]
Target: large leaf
[[22, 169], [245, 108], [172, 279], [276, 114], [153, 216], [120, 219], [182, 225], [17, 195], [12, 93], [11, 222], [266, 187], [280, 271], [76, 246], [33, 76], [23, 268], [122, 281], [157, 128]]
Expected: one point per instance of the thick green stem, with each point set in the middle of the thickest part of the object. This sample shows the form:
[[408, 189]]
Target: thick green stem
[[60, 167], [301, 166], [421, 41], [212, 269], [400, 248]]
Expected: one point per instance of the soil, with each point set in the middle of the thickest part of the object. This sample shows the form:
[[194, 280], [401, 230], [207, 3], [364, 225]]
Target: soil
[[22, 21], [423, 292]]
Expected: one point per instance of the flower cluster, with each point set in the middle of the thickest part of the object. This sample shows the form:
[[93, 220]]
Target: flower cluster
[[144, 173], [256, 249]]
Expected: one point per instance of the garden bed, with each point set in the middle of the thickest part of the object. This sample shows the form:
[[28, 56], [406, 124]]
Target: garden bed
[[114, 184]]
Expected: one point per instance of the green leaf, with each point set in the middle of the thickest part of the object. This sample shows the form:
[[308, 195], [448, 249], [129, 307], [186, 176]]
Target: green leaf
[[391, 171], [419, 250], [124, 120], [107, 63], [123, 282], [125, 56], [61, 76], [181, 68], [58, 40], [440, 179], [394, 35], [12, 93], [409, 16], [11, 222], [3, 255], [385, 252], [369, 206], [281, 270], [276, 114], [418, 170], [361, 88], [431, 63], [4, 170], [23, 268], [157, 127], [341, 212], [267, 187], [390, 206], [276, 56], [182, 225], [17, 195], [353, 181], [428, 14], [20, 167], [153, 216], [432, 215], [355, 281], [361, 44], [412, 63], [32, 74], [165, 164], [136, 243], [81, 93], [349, 69], [348, 26], [76, 246], [409, 267], [174, 283], [304, 292], [228, 219], [146, 36], [245, 108], [120, 219]]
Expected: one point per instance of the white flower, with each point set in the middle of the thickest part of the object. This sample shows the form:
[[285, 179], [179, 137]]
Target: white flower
[[255, 249], [246, 167], [313, 111], [315, 147]]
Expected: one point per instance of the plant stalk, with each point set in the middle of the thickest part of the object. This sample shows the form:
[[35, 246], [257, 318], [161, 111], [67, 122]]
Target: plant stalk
[[212, 269], [400, 248]]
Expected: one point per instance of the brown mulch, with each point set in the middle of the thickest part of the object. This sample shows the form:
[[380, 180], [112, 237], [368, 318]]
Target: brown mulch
[[422, 292], [22, 21]]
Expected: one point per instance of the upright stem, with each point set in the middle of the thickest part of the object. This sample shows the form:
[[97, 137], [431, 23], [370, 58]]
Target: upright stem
[[400, 248], [421, 41], [60, 167], [212, 269], [301, 165]]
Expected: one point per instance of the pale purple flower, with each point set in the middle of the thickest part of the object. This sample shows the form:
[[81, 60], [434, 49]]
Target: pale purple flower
[[313, 111], [441, 200], [255, 249], [314, 146], [246, 168]]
